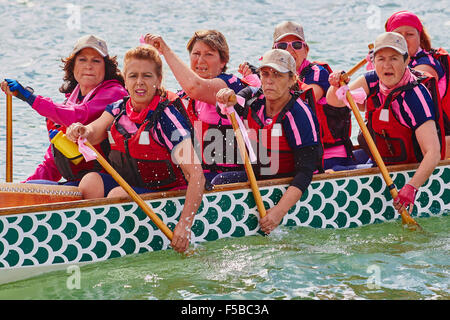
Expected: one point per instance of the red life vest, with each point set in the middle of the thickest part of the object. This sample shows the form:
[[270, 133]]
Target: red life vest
[[271, 140], [66, 168], [138, 158], [397, 143], [335, 123], [444, 58], [203, 140]]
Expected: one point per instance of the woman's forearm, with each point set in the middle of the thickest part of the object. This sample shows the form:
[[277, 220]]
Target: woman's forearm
[[194, 195], [332, 98], [427, 138], [289, 199], [195, 86], [185, 155], [425, 169], [186, 77]]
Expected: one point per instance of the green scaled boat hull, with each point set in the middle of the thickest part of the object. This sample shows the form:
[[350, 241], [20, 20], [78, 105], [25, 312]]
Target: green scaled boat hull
[[42, 238]]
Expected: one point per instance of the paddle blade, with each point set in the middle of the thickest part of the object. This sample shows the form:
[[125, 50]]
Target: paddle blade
[[408, 222]]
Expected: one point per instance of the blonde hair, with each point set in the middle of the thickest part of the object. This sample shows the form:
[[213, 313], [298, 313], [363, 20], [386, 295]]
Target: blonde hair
[[149, 53], [214, 39]]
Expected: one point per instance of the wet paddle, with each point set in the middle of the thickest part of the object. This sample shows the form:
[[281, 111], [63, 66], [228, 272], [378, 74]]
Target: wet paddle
[[247, 165], [142, 204], [9, 145], [406, 218]]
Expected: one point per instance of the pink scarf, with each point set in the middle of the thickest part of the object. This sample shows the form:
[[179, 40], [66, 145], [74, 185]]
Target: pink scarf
[[407, 78], [305, 63], [139, 117]]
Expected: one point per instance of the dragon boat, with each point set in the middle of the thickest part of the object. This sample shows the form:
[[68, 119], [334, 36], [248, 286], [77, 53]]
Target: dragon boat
[[46, 228]]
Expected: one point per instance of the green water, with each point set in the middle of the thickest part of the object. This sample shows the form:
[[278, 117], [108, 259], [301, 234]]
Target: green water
[[381, 261]]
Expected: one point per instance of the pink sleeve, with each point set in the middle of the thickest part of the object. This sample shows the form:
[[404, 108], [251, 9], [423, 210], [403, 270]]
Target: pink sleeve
[[47, 169], [84, 112]]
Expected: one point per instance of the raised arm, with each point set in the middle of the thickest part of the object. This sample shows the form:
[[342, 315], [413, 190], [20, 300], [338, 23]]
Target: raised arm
[[195, 86]]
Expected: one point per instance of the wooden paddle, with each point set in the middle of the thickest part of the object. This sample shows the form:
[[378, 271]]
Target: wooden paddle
[[9, 145], [142, 204], [406, 218], [247, 164]]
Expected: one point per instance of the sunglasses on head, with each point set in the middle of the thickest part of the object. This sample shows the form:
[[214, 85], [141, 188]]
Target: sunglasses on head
[[296, 45]]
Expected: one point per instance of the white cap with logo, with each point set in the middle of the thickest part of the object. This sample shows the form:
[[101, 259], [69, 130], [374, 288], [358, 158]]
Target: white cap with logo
[[280, 60], [391, 40], [91, 41], [287, 28]]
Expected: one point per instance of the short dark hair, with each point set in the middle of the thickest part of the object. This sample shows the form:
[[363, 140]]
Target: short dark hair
[[214, 39]]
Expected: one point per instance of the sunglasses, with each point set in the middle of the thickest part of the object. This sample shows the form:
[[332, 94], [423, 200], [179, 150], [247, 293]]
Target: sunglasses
[[296, 45]]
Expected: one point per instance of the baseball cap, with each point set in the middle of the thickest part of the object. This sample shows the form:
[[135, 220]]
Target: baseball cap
[[91, 41], [286, 28], [392, 40], [280, 60]]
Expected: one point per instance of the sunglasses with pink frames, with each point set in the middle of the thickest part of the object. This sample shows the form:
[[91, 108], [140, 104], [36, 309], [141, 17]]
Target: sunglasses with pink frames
[[296, 45]]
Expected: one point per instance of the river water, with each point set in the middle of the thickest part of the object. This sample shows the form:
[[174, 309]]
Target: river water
[[373, 262]]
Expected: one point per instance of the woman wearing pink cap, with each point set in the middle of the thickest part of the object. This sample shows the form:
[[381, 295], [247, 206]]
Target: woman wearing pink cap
[[92, 80], [402, 114], [424, 58]]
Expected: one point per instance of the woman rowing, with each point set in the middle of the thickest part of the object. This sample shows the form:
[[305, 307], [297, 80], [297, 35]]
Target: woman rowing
[[150, 142], [209, 55], [285, 130], [92, 80], [435, 62], [335, 123], [403, 116]]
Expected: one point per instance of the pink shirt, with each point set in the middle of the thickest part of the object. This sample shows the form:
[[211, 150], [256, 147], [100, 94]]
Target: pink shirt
[[334, 152], [70, 112], [85, 112]]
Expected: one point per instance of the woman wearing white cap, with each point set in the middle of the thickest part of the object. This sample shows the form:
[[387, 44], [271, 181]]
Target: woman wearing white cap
[[285, 130], [402, 114], [335, 123], [92, 80]]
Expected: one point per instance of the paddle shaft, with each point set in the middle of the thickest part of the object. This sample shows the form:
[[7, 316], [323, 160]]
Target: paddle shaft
[[356, 67], [9, 144], [142, 204], [248, 166], [406, 218]]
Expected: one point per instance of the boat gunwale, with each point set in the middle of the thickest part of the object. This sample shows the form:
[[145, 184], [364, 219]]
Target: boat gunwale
[[218, 188]]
